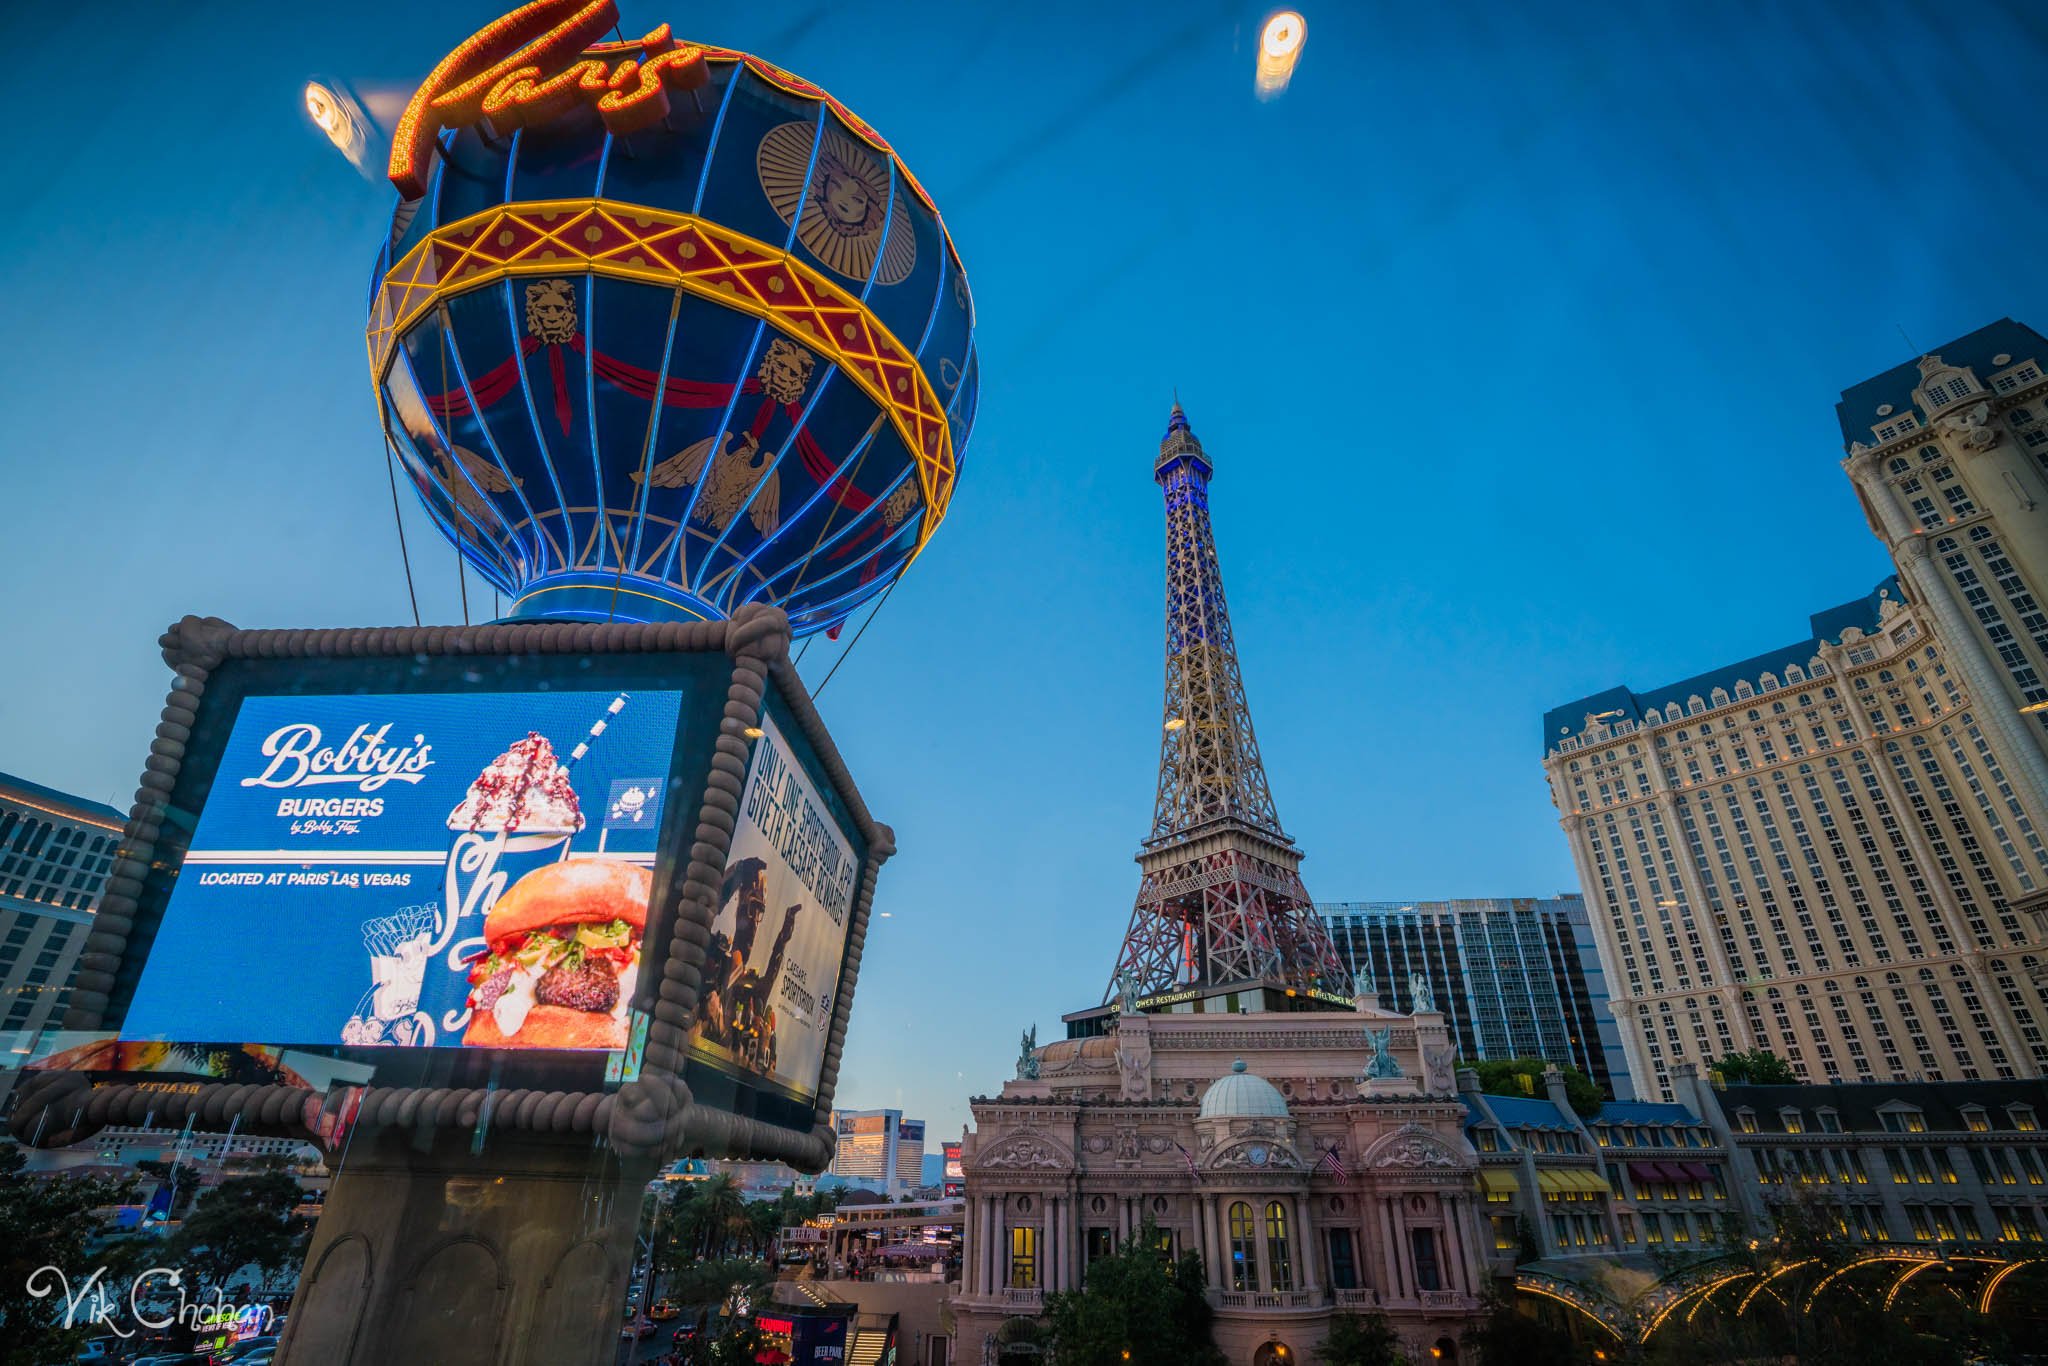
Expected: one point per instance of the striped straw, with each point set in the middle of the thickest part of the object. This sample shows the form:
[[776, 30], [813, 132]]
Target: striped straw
[[618, 705]]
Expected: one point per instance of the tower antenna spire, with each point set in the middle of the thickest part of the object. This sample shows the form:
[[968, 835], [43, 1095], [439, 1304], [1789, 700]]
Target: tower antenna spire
[[1221, 900]]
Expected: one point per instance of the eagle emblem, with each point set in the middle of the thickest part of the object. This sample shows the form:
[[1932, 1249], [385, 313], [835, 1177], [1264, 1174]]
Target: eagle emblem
[[738, 472]]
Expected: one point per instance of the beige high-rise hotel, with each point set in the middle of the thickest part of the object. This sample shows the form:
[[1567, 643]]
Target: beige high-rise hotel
[[1834, 850]]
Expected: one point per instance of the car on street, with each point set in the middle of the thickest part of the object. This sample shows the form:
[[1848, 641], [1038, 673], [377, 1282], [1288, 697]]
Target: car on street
[[644, 1328], [664, 1310]]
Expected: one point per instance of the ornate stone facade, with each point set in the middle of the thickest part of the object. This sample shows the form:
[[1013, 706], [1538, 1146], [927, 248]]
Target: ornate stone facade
[[1306, 1189]]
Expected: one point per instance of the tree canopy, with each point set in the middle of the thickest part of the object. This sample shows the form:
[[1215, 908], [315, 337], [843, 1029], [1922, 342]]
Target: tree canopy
[[49, 1221], [244, 1221], [1361, 1340], [1138, 1307], [1504, 1077], [1756, 1067]]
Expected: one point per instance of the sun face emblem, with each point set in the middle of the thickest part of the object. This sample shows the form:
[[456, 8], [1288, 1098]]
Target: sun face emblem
[[839, 202]]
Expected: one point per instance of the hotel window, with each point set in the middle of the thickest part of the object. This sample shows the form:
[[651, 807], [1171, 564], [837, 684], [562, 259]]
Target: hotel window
[[1505, 1238], [1101, 1243], [1791, 1121], [1628, 1227], [1745, 1120], [1344, 1261], [1422, 1243], [1830, 1122], [1916, 1219], [1653, 1229], [2008, 1227], [1024, 1257], [1276, 1246], [1486, 1140], [1975, 1120], [2022, 1118], [1243, 1261]]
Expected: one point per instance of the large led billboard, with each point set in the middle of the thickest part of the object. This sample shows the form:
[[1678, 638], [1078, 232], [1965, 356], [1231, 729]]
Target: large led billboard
[[454, 868], [466, 869]]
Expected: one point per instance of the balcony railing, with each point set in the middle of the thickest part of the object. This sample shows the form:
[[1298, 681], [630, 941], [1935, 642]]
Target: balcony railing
[[1443, 1299], [1024, 1297], [1358, 1299], [1264, 1299]]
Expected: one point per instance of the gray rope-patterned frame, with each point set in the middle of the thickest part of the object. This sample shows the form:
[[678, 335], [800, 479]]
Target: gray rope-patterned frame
[[654, 1114]]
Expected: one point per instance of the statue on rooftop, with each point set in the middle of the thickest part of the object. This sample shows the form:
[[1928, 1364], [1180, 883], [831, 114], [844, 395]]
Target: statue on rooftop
[[1425, 998], [1383, 1065]]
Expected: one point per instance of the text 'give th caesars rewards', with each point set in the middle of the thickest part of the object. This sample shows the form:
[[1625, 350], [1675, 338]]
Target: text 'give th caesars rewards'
[[780, 933]]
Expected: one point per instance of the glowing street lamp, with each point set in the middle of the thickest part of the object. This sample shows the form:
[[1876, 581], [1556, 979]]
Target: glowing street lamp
[[1280, 44], [334, 115]]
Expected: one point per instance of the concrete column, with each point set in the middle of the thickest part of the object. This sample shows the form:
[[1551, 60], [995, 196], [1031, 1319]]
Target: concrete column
[[1047, 1225], [1458, 1249], [971, 1231], [1265, 1267], [1213, 1230], [1398, 1283], [999, 1235], [1310, 1252], [431, 1252], [1068, 1262]]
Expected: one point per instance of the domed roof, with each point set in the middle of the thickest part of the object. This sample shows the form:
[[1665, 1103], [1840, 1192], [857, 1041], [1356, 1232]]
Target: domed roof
[[1239, 1094]]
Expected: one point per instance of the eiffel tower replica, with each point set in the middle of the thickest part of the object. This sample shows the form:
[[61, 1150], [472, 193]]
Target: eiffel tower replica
[[1221, 903]]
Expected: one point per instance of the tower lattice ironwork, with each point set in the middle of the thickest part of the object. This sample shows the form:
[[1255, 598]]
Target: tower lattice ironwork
[[1221, 899]]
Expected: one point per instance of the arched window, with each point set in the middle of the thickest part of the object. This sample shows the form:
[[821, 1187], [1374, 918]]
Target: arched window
[[1243, 1266], [1276, 1246]]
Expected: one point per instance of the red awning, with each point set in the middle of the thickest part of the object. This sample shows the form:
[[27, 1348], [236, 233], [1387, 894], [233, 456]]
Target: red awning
[[1693, 1171], [1646, 1172]]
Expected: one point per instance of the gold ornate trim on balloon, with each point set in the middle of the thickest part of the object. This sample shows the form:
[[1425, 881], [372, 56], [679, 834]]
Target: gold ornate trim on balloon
[[677, 251]]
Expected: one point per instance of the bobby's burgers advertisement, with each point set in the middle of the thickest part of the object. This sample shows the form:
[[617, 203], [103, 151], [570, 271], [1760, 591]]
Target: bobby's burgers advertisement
[[405, 870]]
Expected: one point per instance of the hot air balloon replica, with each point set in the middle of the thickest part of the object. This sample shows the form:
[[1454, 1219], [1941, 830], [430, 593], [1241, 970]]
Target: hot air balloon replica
[[662, 329]]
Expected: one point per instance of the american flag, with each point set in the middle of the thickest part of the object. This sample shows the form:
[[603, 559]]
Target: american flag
[[1330, 1162], [1188, 1158]]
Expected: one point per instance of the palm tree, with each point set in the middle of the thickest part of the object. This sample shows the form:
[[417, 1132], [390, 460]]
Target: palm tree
[[764, 1221], [714, 1211]]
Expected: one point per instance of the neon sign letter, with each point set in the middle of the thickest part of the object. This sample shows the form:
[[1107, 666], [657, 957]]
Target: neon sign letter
[[531, 66]]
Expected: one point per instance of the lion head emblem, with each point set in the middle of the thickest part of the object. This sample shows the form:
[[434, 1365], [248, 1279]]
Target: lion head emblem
[[551, 311], [785, 371]]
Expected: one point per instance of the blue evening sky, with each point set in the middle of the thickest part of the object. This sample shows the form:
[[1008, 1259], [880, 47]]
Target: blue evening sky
[[1514, 332]]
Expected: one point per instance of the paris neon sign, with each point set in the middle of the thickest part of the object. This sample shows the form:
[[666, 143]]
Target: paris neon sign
[[535, 64]]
